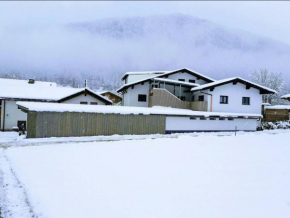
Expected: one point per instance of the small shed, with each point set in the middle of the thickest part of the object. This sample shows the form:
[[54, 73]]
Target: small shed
[[277, 113]]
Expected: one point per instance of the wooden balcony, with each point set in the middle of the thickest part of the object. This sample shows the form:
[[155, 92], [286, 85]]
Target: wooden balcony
[[162, 97]]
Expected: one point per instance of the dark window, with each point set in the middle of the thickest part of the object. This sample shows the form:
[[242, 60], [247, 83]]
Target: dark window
[[21, 124], [224, 99], [201, 98], [83, 102], [181, 80], [142, 98], [246, 101], [193, 118], [212, 118], [222, 118], [202, 118], [231, 118], [94, 103], [191, 81], [182, 98]]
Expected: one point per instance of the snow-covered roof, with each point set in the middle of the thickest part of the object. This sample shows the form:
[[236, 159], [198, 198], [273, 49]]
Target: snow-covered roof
[[171, 81], [278, 107], [41, 93], [264, 89], [285, 96], [55, 107], [143, 73], [18, 82], [164, 75]]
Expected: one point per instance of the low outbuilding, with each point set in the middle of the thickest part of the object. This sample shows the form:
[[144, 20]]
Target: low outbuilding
[[277, 113], [64, 120]]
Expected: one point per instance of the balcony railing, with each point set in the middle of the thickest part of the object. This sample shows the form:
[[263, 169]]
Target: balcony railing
[[162, 97]]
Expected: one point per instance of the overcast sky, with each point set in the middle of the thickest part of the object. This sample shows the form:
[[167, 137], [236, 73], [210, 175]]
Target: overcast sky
[[269, 19]]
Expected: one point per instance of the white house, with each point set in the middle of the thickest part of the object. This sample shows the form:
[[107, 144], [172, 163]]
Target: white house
[[21, 90], [187, 89]]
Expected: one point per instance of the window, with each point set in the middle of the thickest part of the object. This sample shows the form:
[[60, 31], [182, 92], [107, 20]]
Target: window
[[201, 98], [246, 101], [181, 80], [222, 118], [192, 118], [83, 102], [224, 99], [231, 118], [212, 118], [202, 118], [94, 103], [142, 98], [182, 98], [191, 81]]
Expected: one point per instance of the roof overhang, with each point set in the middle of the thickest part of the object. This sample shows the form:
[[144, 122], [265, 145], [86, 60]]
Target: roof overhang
[[248, 84]]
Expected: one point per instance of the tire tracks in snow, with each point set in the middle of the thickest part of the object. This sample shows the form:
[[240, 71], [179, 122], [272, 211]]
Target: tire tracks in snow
[[13, 197]]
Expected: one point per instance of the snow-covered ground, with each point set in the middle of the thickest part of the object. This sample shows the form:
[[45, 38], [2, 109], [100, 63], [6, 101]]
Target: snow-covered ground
[[181, 175]]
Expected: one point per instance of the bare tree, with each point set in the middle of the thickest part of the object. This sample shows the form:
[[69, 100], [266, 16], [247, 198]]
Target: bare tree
[[271, 80]]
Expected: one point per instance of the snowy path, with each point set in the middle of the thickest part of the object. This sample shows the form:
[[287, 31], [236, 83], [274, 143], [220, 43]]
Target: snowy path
[[186, 176], [13, 200]]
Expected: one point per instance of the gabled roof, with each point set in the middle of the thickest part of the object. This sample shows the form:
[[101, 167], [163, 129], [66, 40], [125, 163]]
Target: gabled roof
[[171, 81], [87, 91], [286, 96], [194, 73], [143, 73], [39, 93], [19, 82], [263, 89]]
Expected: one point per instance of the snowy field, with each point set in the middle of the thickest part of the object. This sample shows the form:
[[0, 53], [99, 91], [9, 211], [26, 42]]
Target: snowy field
[[184, 175]]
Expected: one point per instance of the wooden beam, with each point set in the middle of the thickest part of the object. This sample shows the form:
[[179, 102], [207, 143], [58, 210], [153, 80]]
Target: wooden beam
[[248, 86], [235, 82], [211, 89]]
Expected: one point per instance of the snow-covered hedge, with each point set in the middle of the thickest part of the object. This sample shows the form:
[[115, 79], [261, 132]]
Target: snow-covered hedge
[[275, 125]]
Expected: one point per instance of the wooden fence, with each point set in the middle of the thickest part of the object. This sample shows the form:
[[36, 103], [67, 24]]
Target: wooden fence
[[273, 115], [66, 124]]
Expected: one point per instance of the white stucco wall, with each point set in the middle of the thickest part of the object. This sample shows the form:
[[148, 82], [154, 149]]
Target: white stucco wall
[[235, 94], [12, 115], [186, 124], [133, 78], [131, 97], [87, 98], [187, 77]]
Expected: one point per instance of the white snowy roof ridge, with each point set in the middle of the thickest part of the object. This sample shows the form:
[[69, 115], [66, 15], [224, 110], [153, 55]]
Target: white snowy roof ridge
[[278, 107], [40, 93], [227, 80], [162, 75], [285, 96], [157, 110]]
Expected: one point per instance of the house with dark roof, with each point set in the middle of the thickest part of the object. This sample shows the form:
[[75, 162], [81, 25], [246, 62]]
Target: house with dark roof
[[19, 90]]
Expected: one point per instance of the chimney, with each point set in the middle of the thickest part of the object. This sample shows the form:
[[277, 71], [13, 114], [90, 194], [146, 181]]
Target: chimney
[[31, 81]]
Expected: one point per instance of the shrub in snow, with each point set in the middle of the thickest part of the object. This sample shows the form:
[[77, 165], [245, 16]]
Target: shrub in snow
[[274, 125]]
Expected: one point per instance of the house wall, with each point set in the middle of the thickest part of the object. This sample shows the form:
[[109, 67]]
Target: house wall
[[56, 124], [131, 97], [12, 115], [87, 98], [235, 94], [185, 124], [133, 78], [187, 77]]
